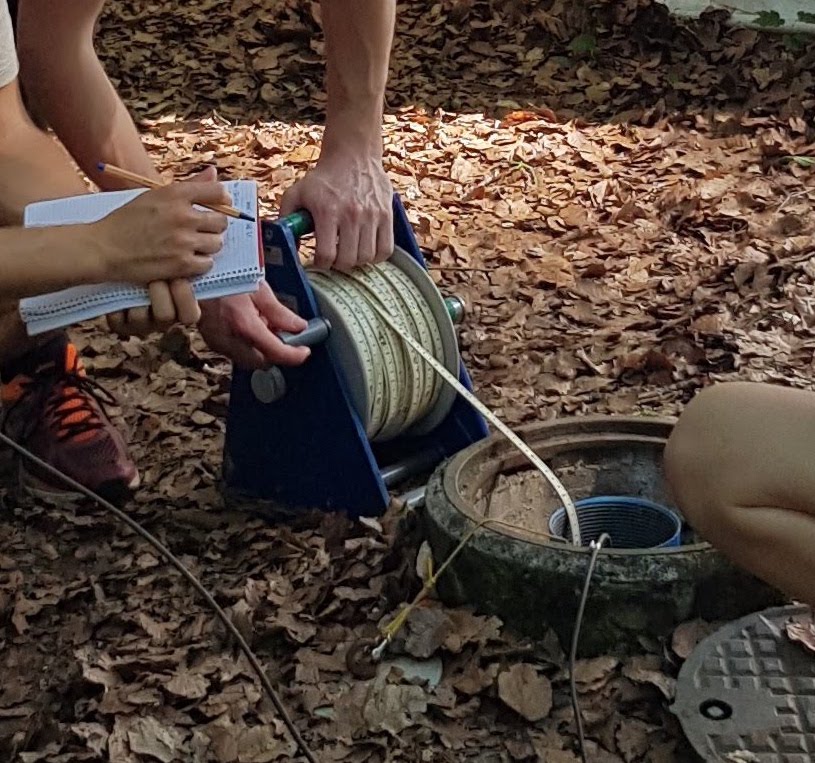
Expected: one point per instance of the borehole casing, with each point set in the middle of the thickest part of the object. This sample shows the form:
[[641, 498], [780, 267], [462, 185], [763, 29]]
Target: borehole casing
[[532, 583]]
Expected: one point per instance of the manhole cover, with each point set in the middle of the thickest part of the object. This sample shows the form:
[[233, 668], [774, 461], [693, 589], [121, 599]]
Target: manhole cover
[[747, 694]]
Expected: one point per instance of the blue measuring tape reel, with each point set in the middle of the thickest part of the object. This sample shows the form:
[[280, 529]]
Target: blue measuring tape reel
[[297, 438]]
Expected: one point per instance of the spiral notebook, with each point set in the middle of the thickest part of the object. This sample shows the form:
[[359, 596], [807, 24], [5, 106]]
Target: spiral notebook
[[238, 267]]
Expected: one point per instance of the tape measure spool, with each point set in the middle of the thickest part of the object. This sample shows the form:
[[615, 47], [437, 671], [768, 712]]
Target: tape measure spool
[[392, 389], [381, 317]]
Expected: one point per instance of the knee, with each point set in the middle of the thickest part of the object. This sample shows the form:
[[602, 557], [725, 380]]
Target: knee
[[14, 120], [702, 456]]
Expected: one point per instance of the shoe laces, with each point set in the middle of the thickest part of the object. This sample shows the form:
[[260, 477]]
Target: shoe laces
[[72, 401]]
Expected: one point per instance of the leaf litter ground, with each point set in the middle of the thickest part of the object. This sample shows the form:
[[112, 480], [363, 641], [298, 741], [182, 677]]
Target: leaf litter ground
[[624, 203]]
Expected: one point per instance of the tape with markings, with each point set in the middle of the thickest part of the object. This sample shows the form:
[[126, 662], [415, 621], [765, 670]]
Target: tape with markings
[[396, 344]]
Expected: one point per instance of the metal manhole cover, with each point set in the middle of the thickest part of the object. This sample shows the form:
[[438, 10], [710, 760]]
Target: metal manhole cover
[[747, 694]]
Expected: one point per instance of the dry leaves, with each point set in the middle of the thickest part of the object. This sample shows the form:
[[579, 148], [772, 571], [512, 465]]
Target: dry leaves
[[688, 635], [527, 692], [615, 199], [393, 708], [802, 631]]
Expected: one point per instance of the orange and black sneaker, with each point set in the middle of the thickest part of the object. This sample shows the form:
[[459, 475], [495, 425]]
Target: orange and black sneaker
[[51, 407]]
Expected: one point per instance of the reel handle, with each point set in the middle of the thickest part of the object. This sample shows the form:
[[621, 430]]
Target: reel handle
[[315, 333], [268, 384], [300, 223]]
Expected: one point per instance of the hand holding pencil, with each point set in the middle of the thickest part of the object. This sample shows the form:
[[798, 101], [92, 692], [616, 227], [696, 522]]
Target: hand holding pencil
[[162, 239], [163, 234], [146, 182]]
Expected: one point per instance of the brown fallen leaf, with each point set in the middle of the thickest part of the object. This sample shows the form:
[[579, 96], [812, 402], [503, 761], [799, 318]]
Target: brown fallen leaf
[[299, 630], [468, 628], [428, 628], [95, 736], [646, 669], [802, 631], [147, 736], [591, 674], [462, 169], [550, 269], [687, 637], [526, 691], [574, 215], [548, 755], [187, 685], [303, 154], [633, 739], [710, 324], [223, 743], [393, 707], [156, 630], [260, 744], [474, 679]]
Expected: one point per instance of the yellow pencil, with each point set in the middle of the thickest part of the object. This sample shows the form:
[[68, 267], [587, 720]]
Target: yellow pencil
[[145, 182]]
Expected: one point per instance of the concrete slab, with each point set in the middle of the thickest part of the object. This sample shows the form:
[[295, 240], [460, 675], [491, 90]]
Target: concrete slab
[[796, 16]]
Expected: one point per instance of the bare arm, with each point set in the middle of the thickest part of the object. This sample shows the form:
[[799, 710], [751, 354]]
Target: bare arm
[[359, 35], [29, 266], [348, 192], [70, 90]]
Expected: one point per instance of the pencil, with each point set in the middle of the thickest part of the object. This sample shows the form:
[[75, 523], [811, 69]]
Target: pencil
[[145, 182]]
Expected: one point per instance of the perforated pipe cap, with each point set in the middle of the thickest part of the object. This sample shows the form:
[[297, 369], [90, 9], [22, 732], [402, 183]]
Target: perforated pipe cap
[[630, 522]]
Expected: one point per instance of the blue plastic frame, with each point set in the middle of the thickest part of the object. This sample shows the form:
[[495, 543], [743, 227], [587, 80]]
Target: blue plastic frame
[[309, 450]]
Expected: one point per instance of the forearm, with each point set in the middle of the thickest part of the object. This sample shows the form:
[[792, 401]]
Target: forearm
[[40, 260], [70, 89], [359, 35]]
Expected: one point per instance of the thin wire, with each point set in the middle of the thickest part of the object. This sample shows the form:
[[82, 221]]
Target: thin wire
[[596, 547], [191, 579], [390, 630]]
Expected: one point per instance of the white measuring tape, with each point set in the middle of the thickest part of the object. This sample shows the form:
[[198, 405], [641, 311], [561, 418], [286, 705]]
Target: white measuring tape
[[400, 392], [375, 302]]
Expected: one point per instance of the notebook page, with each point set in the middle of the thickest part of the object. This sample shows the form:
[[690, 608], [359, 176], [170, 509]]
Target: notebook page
[[237, 267], [87, 208]]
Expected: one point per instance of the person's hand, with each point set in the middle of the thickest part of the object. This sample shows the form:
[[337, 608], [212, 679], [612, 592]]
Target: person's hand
[[243, 328], [349, 196], [160, 236], [170, 301]]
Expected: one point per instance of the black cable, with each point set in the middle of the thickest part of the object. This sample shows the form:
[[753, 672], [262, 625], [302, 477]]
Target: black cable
[[596, 547], [191, 579]]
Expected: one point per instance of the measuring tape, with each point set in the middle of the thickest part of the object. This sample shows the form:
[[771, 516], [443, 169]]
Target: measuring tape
[[399, 392], [376, 313]]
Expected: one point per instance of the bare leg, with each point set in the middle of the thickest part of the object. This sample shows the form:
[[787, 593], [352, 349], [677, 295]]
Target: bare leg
[[741, 463], [33, 167]]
